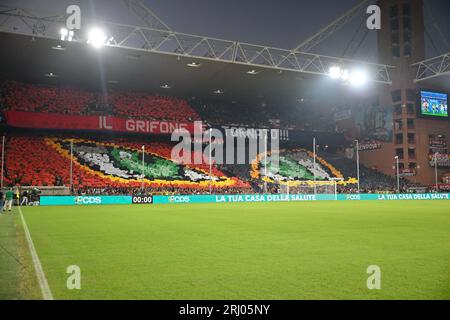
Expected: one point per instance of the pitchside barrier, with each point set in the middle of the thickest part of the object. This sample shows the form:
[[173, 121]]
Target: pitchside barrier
[[83, 200], [184, 199]]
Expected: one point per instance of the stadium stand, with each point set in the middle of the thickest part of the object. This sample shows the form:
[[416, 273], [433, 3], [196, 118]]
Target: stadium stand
[[371, 180], [256, 116], [109, 165], [235, 114], [49, 99], [112, 164], [73, 101], [140, 105]]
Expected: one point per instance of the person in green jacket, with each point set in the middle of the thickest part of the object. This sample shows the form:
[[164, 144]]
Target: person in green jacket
[[9, 196]]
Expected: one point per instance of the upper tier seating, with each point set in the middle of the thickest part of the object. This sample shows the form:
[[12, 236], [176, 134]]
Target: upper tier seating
[[72, 101], [221, 113], [27, 97], [144, 106]]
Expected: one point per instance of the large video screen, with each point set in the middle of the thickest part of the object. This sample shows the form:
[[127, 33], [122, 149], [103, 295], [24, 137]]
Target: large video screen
[[434, 104]]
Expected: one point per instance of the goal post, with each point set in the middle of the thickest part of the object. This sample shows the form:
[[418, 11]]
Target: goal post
[[309, 187]]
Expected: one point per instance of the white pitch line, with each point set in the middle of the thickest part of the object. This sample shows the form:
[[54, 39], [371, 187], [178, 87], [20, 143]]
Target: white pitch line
[[43, 283]]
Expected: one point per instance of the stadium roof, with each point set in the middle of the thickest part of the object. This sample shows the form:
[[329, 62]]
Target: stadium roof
[[49, 61], [434, 73], [156, 60]]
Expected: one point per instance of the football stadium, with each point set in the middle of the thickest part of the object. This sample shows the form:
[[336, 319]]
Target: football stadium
[[148, 154]]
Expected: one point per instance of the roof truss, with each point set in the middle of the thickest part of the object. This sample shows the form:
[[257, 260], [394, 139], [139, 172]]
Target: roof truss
[[169, 42]]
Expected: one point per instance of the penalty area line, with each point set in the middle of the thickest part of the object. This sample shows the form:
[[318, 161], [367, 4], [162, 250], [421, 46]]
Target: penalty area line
[[43, 283]]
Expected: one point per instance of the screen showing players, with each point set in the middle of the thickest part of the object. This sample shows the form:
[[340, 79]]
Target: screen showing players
[[434, 104]]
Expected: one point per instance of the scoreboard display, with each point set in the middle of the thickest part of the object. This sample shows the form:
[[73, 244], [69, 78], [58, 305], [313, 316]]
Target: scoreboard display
[[433, 104]]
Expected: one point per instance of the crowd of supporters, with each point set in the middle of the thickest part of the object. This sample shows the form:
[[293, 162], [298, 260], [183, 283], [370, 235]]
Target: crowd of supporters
[[371, 180], [166, 191], [73, 101], [239, 114], [68, 100], [140, 105], [27, 97], [34, 161], [234, 114], [30, 161], [257, 188]]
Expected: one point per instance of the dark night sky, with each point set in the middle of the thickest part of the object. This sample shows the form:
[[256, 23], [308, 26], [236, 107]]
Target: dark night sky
[[282, 23], [278, 23]]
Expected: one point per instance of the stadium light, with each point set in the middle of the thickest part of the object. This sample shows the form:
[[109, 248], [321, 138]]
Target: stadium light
[[345, 75], [194, 64], [58, 47], [97, 37], [335, 72], [358, 78], [66, 34], [252, 72]]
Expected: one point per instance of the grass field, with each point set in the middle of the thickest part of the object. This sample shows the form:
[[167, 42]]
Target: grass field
[[17, 275], [309, 250]]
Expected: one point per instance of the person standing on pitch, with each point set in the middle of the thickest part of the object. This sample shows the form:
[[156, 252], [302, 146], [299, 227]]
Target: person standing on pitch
[[1, 200], [9, 196], [17, 196], [24, 198]]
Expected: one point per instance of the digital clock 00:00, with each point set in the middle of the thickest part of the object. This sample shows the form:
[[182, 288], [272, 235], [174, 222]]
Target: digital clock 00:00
[[142, 199]]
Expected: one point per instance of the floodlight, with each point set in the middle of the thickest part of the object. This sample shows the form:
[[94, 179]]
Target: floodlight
[[97, 37], [345, 75], [335, 72], [66, 34], [71, 34], [63, 33], [358, 78]]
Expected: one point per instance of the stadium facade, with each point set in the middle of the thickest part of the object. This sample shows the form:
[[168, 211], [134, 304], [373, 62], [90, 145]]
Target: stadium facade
[[413, 137]]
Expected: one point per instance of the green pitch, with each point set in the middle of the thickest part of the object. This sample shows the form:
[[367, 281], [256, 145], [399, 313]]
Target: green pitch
[[308, 250]]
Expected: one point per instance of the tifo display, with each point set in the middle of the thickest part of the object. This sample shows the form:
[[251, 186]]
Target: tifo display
[[139, 161]]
